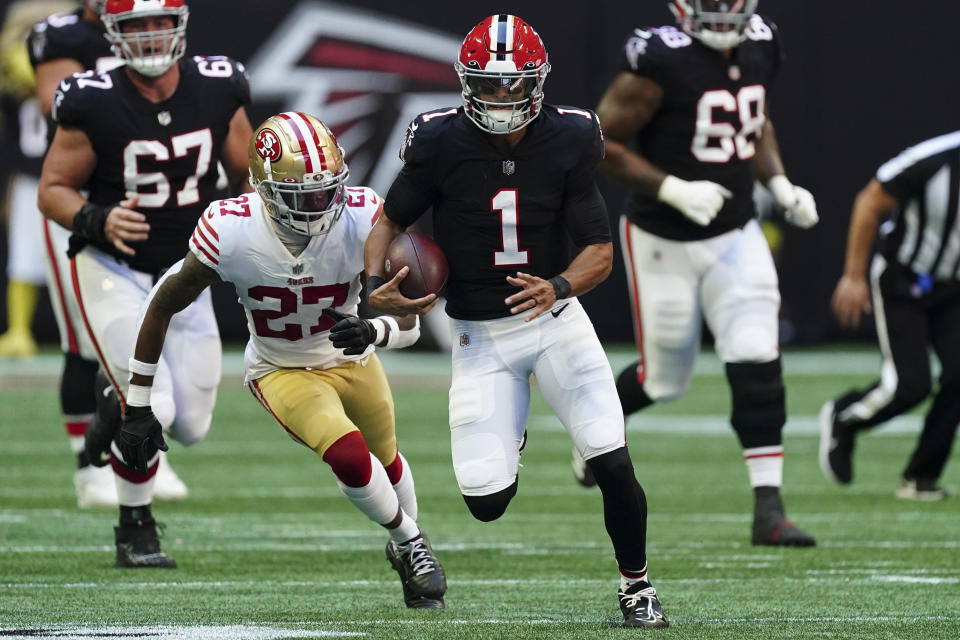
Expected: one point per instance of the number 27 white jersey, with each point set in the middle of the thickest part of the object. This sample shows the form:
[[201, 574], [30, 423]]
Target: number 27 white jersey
[[285, 296]]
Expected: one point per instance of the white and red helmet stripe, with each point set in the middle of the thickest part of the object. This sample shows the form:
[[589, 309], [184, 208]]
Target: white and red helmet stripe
[[313, 158], [502, 37]]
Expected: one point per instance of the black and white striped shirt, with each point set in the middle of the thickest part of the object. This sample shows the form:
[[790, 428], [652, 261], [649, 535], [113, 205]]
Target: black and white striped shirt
[[924, 236]]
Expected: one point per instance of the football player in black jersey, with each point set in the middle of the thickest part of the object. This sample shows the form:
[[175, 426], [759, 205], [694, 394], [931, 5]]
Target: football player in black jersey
[[694, 101], [59, 46], [511, 182], [144, 141]]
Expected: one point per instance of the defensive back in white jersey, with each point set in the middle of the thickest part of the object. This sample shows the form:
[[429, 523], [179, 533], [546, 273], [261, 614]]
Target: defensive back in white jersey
[[285, 296]]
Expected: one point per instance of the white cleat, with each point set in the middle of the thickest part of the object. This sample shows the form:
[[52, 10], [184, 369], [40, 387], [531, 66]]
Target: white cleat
[[167, 485], [95, 487]]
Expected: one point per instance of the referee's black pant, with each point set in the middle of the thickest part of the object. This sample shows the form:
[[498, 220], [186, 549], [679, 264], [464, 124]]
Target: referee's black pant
[[912, 317]]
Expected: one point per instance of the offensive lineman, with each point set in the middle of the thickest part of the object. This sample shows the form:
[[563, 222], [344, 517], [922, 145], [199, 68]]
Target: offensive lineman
[[695, 101], [298, 243], [509, 179], [145, 140]]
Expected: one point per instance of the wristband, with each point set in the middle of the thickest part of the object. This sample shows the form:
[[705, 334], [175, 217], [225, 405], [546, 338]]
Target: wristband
[[374, 283], [394, 334], [380, 328], [561, 287], [143, 368], [138, 395], [89, 222]]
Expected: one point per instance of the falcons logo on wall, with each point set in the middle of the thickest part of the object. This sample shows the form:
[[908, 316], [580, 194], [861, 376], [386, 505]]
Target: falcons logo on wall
[[365, 75]]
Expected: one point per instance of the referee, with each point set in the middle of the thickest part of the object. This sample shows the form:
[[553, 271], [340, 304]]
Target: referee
[[915, 285]]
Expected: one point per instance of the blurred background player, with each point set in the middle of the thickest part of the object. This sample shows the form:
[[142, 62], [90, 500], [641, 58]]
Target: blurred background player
[[143, 141], [25, 133], [60, 46], [510, 180], [915, 286], [299, 240], [694, 100]]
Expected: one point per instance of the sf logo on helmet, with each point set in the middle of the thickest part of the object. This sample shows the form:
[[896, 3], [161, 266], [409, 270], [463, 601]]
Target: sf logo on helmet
[[268, 145]]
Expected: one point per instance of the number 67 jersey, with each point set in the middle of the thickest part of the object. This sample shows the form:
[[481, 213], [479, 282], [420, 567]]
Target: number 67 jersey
[[284, 296], [711, 114], [166, 153]]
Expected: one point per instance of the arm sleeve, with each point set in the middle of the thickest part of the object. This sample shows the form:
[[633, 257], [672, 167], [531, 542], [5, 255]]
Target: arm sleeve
[[413, 190], [584, 209]]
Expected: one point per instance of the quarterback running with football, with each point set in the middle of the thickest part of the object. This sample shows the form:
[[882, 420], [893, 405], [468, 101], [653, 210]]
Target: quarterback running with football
[[294, 253], [510, 179], [694, 100], [142, 142]]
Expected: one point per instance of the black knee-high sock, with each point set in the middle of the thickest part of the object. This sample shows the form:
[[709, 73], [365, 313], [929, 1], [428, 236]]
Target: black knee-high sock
[[624, 507], [632, 396]]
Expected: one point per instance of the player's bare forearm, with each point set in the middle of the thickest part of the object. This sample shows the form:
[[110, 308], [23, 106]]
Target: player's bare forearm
[[175, 293], [66, 169], [871, 203], [235, 153], [768, 162], [589, 268], [375, 249], [629, 104]]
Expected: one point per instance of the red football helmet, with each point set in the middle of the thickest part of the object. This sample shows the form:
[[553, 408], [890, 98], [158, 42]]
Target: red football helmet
[[149, 53], [719, 24], [502, 67]]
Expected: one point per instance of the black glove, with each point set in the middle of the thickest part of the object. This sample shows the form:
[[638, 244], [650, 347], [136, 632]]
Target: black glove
[[140, 437], [352, 334]]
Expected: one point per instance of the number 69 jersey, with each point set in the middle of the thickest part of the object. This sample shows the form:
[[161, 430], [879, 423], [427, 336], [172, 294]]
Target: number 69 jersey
[[711, 114], [166, 153], [285, 296]]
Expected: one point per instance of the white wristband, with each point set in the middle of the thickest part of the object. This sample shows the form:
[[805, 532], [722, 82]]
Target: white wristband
[[381, 328], [400, 339], [782, 190], [391, 322], [143, 368], [138, 395]]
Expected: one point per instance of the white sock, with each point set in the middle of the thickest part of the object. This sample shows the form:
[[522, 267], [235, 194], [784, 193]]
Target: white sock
[[76, 444], [134, 494], [376, 499], [626, 582], [406, 530], [404, 489], [765, 466]]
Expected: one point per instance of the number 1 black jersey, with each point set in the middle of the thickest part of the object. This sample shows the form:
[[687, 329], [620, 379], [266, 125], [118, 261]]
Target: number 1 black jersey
[[707, 125], [166, 152], [496, 214]]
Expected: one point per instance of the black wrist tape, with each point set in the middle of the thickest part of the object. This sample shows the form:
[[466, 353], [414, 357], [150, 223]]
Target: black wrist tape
[[89, 222], [560, 287]]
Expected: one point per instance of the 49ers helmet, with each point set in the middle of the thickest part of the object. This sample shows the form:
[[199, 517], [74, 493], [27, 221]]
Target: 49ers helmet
[[149, 53], [297, 167], [719, 24], [502, 55]]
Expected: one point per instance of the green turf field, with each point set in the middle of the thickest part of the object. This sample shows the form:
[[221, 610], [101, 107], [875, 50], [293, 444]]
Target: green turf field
[[268, 548]]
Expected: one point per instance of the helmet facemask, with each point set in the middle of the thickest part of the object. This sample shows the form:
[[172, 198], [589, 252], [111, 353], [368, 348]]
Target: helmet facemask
[[718, 24], [148, 52], [502, 102], [309, 208]]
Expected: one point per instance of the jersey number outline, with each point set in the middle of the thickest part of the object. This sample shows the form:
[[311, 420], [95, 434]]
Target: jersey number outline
[[749, 105], [506, 202], [133, 179], [289, 302]]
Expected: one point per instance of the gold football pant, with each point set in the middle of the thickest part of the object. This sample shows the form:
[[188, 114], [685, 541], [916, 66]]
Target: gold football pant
[[317, 407]]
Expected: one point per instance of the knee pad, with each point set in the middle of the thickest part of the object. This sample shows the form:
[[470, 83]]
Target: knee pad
[[750, 342], [490, 507], [759, 402], [480, 463], [630, 390], [77, 385], [350, 460]]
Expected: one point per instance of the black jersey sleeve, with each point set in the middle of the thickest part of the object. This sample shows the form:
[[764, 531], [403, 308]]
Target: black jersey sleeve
[[74, 99], [907, 174], [640, 55], [414, 188], [228, 75], [584, 210], [54, 38]]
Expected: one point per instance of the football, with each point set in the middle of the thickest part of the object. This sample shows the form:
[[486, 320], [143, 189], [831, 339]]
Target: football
[[428, 266]]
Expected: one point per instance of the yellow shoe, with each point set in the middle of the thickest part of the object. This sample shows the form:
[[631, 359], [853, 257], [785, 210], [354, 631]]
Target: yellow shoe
[[17, 344]]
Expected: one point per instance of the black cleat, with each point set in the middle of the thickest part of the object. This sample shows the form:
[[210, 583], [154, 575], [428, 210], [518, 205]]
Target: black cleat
[[139, 548], [421, 575], [581, 470], [641, 607], [782, 533], [836, 447], [105, 423]]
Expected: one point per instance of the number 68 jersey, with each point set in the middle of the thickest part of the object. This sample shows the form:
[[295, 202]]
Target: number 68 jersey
[[166, 153], [285, 296], [711, 114]]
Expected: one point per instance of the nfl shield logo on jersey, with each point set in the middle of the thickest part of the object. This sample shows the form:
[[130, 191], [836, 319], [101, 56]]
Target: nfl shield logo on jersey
[[509, 166], [297, 269], [164, 118], [464, 339]]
